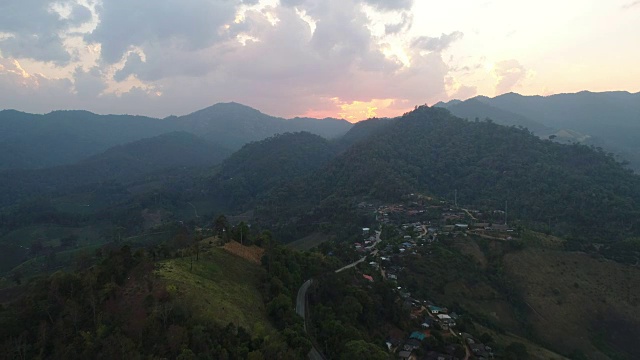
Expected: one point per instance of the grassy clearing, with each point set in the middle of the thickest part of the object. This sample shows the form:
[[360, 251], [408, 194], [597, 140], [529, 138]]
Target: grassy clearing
[[580, 302], [221, 288], [309, 242], [535, 351]]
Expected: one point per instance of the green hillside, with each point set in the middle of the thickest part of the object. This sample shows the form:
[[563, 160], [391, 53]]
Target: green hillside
[[123, 163], [220, 288], [264, 165], [606, 119], [572, 190]]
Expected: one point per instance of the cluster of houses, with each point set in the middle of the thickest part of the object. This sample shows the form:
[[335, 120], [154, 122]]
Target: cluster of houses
[[368, 243], [479, 350], [431, 317]]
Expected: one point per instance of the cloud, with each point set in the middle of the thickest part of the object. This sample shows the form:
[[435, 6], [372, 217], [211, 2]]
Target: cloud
[[382, 5], [464, 92], [173, 24], [631, 4], [387, 5], [22, 90], [185, 55], [437, 44], [37, 28], [509, 73], [404, 25], [89, 84]]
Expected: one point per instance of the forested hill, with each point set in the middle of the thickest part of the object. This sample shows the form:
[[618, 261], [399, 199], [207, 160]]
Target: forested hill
[[232, 125], [574, 189], [124, 163], [475, 108], [264, 165], [607, 119]]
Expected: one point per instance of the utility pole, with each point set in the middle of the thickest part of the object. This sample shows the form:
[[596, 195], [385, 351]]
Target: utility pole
[[505, 212], [455, 198]]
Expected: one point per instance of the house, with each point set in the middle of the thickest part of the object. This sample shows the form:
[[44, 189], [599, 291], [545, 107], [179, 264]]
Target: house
[[417, 335], [365, 231], [462, 226], [411, 344], [479, 350], [434, 355], [427, 323], [436, 309], [446, 319], [448, 228], [368, 277], [405, 354], [499, 227]]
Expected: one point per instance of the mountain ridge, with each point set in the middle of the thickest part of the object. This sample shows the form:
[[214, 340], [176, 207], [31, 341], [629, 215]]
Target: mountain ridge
[[67, 136]]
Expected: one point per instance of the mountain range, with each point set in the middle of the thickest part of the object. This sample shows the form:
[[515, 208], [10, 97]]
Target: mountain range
[[610, 120], [304, 178], [116, 182], [31, 141]]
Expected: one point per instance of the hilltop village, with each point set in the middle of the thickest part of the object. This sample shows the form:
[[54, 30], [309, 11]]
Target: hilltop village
[[411, 229]]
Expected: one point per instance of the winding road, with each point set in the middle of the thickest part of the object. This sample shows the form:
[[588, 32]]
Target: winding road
[[374, 252], [301, 299]]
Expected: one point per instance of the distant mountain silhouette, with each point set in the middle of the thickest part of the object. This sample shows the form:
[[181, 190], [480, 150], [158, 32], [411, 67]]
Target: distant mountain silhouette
[[607, 119], [32, 141], [123, 163]]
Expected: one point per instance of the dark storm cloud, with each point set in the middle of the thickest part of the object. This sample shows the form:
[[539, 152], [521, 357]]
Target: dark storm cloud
[[185, 24], [437, 44], [35, 29]]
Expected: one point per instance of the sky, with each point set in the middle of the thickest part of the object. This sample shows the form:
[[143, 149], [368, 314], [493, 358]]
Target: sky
[[351, 59]]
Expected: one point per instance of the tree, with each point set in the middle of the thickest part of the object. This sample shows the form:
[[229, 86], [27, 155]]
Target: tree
[[16, 276], [360, 349], [516, 351], [221, 225], [486, 338]]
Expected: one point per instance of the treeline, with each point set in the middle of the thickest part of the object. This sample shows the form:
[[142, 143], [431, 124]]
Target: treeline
[[118, 309], [350, 315], [263, 165]]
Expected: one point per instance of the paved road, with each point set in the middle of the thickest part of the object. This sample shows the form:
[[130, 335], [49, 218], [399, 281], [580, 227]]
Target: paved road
[[469, 213], [301, 299], [374, 252], [467, 352], [301, 302]]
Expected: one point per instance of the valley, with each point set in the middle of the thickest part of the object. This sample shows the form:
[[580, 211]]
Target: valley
[[505, 230]]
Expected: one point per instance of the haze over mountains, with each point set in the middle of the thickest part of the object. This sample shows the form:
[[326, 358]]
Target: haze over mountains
[[64, 137], [608, 119]]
